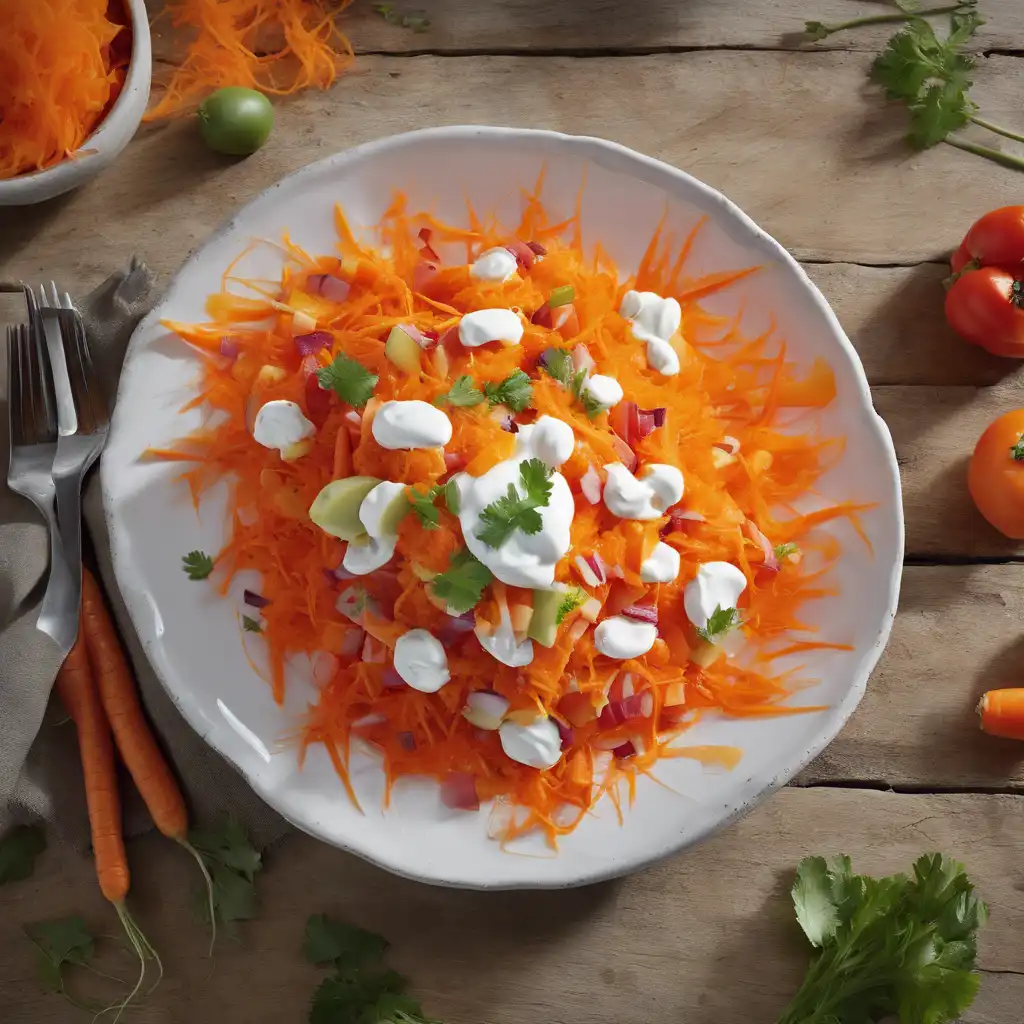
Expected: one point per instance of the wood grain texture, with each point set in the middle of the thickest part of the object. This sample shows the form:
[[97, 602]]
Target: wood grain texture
[[957, 635], [708, 937], [625, 26], [800, 141]]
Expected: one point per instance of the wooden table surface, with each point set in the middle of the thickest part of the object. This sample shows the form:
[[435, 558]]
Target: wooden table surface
[[722, 89]]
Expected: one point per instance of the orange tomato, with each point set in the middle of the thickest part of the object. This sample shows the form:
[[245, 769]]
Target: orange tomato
[[986, 308], [996, 474]]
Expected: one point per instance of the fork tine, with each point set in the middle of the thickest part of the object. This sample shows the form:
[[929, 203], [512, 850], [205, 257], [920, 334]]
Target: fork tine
[[14, 404], [91, 392], [44, 409], [54, 297]]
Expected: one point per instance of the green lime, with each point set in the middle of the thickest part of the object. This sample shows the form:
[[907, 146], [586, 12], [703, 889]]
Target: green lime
[[235, 120]]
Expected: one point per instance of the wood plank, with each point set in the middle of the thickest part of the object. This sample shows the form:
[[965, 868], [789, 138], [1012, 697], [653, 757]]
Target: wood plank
[[863, 197], [707, 937], [619, 26], [957, 635]]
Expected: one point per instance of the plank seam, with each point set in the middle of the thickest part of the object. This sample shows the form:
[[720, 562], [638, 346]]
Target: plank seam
[[910, 789]]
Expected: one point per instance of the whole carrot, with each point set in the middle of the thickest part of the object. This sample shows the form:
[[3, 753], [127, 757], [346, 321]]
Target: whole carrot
[[135, 741], [1002, 713], [78, 694]]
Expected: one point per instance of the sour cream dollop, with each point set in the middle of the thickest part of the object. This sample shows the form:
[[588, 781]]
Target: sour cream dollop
[[654, 320], [281, 424], [502, 644], [523, 560], [476, 329], [421, 661], [647, 496], [494, 265], [716, 585], [661, 565], [606, 391], [537, 744], [413, 424], [620, 637]]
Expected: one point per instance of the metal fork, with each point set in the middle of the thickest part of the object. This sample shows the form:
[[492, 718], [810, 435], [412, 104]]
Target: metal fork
[[33, 446], [82, 419]]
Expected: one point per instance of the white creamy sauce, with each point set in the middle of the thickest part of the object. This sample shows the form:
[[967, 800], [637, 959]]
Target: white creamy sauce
[[537, 745], [370, 555], [280, 424], [524, 560], [376, 503], [420, 660], [605, 390], [414, 424], [657, 488], [654, 320], [716, 585], [661, 565], [502, 644], [621, 637], [485, 710], [476, 329], [496, 264]]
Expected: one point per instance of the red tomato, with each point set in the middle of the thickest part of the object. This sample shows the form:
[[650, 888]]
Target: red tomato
[[996, 240], [958, 260], [985, 308], [996, 474]]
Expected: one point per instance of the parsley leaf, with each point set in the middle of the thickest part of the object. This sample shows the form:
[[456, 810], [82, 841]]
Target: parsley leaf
[[424, 507], [721, 621], [514, 511], [332, 942], [233, 863], [893, 946], [462, 584], [348, 379], [197, 565], [463, 393], [515, 391], [574, 598], [251, 625], [18, 852]]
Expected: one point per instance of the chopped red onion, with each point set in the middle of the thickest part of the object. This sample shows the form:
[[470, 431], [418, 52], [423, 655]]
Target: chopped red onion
[[454, 461], [536, 248], [373, 651], [561, 315], [624, 750], [310, 344], [352, 643], [325, 665], [422, 275], [582, 359], [463, 623], [641, 613], [427, 251], [618, 711], [590, 485], [407, 741], [648, 420], [597, 566], [543, 317], [504, 417], [586, 572], [678, 518], [254, 600], [626, 454], [458, 792], [328, 286], [524, 255], [565, 733], [392, 680], [771, 562], [728, 444], [229, 348]]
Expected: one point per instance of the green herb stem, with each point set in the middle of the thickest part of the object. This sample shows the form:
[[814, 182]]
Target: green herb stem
[[997, 156], [998, 129], [820, 30]]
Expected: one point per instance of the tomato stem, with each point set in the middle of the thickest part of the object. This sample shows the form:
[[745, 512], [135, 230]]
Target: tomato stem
[[997, 156], [1017, 451], [1017, 294], [998, 129]]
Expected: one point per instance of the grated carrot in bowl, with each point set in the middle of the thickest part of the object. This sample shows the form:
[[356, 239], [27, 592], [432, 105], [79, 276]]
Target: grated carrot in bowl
[[739, 420]]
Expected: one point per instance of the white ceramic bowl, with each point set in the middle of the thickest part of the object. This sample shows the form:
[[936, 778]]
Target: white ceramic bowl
[[113, 134], [192, 636]]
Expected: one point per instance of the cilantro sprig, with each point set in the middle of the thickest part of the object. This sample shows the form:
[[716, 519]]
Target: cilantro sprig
[[233, 863], [462, 584], [348, 379], [422, 503], [514, 511], [515, 391], [557, 363], [889, 947], [197, 565], [722, 620], [819, 30], [463, 393]]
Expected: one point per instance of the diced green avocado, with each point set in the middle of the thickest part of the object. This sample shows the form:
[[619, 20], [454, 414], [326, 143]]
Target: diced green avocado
[[544, 624], [384, 508], [336, 508], [403, 351]]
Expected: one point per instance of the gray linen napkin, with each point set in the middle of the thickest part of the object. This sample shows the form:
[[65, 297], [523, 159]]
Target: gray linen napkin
[[40, 775]]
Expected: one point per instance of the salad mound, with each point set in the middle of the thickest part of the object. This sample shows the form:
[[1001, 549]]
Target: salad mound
[[531, 520]]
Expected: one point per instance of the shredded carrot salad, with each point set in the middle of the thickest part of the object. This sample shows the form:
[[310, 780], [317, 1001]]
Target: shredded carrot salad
[[62, 66], [727, 420]]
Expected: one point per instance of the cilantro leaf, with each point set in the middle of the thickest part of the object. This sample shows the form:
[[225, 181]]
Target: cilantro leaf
[[574, 598], [462, 584], [251, 625], [60, 942], [893, 946], [463, 393], [451, 496], [18, 851], [233, 863], [557, 363], [197, 565], [423, 505], [348, 379], [332, 942], [515, 391], [941, 109], [514, 511], [721, 621]]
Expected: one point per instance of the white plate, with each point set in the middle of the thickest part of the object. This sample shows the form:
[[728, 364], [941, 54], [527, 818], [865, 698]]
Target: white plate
[[191, 635]]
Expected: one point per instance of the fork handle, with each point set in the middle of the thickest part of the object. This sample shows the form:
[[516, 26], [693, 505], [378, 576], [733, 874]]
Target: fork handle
[[66, 594], [59, 613]]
